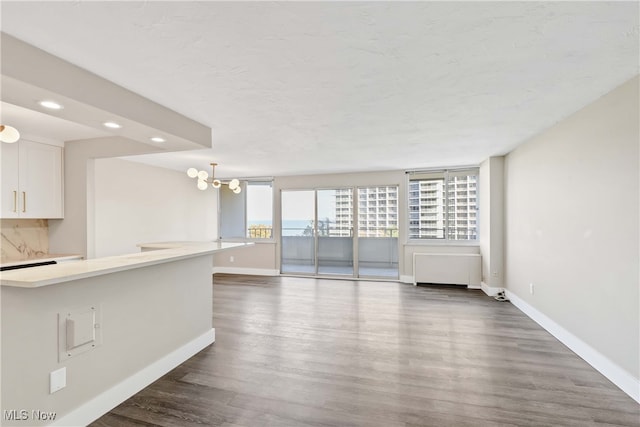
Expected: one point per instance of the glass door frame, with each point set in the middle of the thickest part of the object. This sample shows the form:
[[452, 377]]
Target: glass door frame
[[355, 232], [319, 236], [398, 245], [313, 234], [316, 236]]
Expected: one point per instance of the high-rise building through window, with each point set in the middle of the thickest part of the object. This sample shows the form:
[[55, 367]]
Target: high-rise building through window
[[443, 205], [377, 211]]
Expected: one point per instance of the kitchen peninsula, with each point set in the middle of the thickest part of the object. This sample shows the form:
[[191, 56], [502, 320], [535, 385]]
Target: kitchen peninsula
[[80, 337]]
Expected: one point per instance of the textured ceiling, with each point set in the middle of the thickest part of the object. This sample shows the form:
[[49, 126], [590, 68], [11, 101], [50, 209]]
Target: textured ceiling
[[314, 87]]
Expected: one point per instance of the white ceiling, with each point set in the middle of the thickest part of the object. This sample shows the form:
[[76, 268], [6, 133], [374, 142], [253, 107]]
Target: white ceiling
[[318, 87], [36, 125]]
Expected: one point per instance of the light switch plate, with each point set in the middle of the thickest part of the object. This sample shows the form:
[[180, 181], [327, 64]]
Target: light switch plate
[[57, 380]]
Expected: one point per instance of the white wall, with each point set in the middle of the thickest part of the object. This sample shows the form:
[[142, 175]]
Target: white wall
[[73, 234], [491, 197], [257, 259], [136, 203], [572, 230]]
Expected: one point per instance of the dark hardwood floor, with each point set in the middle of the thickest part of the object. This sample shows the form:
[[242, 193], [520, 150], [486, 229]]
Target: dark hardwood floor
[[312, 352]]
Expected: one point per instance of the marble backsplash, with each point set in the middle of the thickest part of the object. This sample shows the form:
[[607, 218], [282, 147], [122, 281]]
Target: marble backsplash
[[23, 239]]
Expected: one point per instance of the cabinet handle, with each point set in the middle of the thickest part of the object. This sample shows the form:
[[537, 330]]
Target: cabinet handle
[[24, 201], [15, 201]]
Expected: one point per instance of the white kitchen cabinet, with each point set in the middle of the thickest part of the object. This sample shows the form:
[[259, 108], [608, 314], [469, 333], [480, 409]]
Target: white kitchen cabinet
[[10, 186], [31, 180]]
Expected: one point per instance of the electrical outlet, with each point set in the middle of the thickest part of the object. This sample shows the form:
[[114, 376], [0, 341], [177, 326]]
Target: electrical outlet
[[531, 288], [231, 258]]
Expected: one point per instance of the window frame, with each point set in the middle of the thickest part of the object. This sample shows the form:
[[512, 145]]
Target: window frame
[[446, 174], [245, 183]]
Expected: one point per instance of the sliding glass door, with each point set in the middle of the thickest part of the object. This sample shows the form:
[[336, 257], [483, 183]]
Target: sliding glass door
[[320, 236], [317, 232], [335, 231], [378, 232], [298, 232]]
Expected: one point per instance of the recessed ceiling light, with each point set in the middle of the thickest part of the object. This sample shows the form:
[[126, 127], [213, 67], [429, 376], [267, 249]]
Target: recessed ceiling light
[[52, 105], [112, 125], [158, 139]]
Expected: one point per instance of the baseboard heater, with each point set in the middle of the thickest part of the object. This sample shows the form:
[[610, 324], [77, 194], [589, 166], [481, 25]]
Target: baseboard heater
[[447, 269]]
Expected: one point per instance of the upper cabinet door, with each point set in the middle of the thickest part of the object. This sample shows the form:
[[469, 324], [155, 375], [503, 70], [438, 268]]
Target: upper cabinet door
[[40, 178], [31, 181], [9, 201]]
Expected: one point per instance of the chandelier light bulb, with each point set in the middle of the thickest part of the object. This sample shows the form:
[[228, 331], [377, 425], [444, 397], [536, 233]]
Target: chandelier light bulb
[[9, 134], [204, 179], [233, 184]]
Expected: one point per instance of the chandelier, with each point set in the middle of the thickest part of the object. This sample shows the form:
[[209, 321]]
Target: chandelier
[[9, 134], [204, 180]]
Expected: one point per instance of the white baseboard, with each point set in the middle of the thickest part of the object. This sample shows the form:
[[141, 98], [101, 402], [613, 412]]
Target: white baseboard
[[406, 279], [492, 291], [620, 377], [109, 399], [248, 271], [474, 286]]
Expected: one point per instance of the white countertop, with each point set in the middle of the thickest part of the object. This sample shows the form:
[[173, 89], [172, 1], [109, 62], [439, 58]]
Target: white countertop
[[45, 275], [171, 245]]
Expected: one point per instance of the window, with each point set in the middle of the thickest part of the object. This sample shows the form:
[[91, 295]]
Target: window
[[248, 214], [442, 205]]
